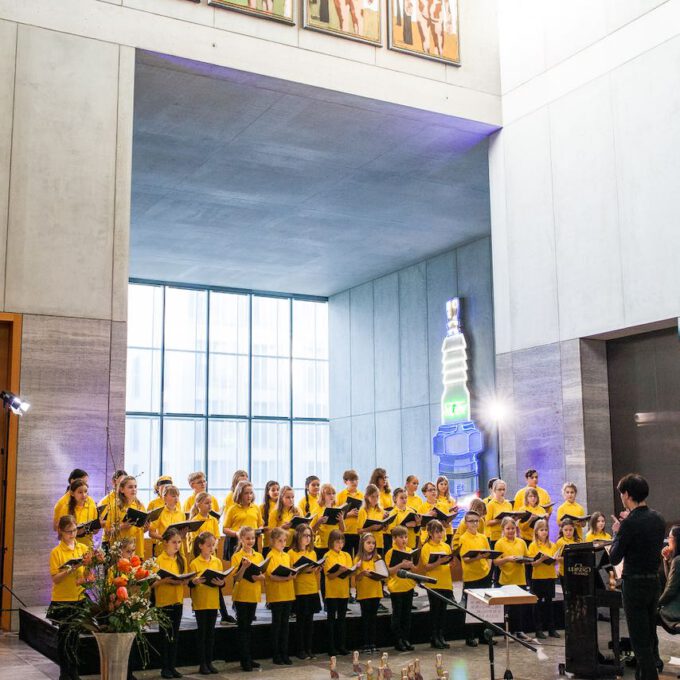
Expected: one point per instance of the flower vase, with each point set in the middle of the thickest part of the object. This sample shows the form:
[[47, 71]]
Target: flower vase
[[114, 654]]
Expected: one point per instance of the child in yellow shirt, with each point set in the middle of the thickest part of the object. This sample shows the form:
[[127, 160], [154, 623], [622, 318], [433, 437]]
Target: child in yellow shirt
[[337, 592], [205, 598], [511, 564], [543, 578], [435, 561], [246, 594], [597, 532], [369, 590], [401, 589], [307, 602]]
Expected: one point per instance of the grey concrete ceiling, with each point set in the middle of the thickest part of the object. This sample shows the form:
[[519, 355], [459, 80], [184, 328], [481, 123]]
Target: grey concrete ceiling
[[249, 182]]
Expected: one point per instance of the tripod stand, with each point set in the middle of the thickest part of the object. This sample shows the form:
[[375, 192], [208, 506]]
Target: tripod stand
[[490, 629]]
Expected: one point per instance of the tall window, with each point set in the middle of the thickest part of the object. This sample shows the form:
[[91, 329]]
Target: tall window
[[220, 380]]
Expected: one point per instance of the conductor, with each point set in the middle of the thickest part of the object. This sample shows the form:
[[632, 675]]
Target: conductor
[[638, 539]]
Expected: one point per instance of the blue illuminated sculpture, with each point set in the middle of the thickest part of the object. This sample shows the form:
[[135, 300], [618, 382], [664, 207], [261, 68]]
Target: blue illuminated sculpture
[[458, 442]]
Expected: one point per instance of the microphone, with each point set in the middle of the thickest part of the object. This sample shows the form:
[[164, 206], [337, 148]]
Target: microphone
[[418, 578]]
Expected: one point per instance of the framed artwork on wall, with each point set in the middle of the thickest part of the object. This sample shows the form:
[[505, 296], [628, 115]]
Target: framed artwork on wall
[[426, 28], [355, 19], [278, 10]]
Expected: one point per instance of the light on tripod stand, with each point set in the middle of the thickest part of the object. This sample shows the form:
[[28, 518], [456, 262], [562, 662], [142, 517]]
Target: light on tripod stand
[[14, 403]]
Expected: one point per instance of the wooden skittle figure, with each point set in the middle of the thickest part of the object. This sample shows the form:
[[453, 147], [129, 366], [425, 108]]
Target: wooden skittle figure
[[416, 668], [439, 666], [356, 666], [370, 673], [333, 669]]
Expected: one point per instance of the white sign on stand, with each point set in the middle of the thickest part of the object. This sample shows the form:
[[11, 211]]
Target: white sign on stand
[[489, 612]]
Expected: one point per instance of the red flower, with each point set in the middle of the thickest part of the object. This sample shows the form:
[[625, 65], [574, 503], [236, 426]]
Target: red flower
[[135, 561], [124, 565], [122, 593], [120, 581], [141, 573]]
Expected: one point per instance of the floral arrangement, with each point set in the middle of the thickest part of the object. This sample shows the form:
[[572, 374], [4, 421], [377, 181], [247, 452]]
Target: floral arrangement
[[117, 597]]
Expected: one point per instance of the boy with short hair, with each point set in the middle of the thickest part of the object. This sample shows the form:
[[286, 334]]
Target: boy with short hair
[[351, 480], [401, 591], [198, 484]]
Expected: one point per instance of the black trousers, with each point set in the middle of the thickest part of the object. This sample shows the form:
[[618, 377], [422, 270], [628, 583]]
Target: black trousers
[[495, 571], [351, 544], [170, 637], [640, 601], [438, 613], [336, 607], [369, 620], [223, 605], [544, 616], [320, 552], [305, 608], [479, 583], [245, 613], [67, 645], [280, 624], [401, 614], [205, 634]]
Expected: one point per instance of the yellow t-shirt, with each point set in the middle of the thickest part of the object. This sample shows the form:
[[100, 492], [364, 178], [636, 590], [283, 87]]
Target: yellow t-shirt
[[306, 583], [541, 572], [543, 497], [351, 523], [270, 523], [512, 573], [209, 524], [67, 590], [60, 508], [244, 590], [286, 516], [110, 502], [86, 514], [446, 505], [237, 516], [598, 537], [425, 508], [372, 513], [461, 529], [321, 533], [574, 509], [189, 503], [313, 505], [204, 596], [167, 594], [493, 509], [337, 587], [228, 500], [526, 530], [155, 503], [367, 588], [385, 500], [166, 518], [278, 591], [394, 583], [479, 569], [118, 514], [443, 572], [559, 545], [414, 502], [399, 516]]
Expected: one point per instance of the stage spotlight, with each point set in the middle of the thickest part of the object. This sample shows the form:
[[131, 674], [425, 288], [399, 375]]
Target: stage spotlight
[[497, 411], [14, 403]]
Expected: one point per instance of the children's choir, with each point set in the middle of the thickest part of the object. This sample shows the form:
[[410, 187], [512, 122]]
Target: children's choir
[[326, 545]]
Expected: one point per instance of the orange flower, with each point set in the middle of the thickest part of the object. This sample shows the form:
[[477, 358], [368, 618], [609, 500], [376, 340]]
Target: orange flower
[[122, 593], [120, 581], [90, 578], [135, 561], [87, 559], [141, 573], [124, 565]]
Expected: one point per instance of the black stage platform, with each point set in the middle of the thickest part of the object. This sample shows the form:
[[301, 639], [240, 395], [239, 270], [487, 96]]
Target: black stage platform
[[39, 633]]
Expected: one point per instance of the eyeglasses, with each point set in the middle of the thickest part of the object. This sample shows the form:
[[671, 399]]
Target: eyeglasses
[[70, 531], [471, 521]]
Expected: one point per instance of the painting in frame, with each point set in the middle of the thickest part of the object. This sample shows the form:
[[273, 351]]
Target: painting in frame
[[277, 10], [426, 28], [354, 19]]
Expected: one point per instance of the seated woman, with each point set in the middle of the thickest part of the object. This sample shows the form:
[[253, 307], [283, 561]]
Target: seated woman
[[669, 602]]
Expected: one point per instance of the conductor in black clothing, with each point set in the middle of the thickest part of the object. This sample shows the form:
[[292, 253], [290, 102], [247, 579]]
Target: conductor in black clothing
[[638, 539]]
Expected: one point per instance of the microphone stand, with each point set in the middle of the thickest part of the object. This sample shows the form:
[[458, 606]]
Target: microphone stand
[[488, 632]]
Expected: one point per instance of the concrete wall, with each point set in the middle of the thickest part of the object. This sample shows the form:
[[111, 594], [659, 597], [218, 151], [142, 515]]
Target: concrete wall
[[385, 362], [584, 207], [65, 158], [217, 36]]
